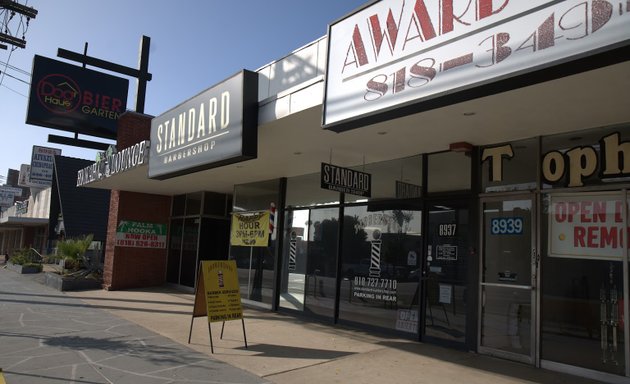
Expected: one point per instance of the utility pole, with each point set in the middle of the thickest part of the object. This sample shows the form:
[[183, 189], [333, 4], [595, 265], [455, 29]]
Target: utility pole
[[12, 8]]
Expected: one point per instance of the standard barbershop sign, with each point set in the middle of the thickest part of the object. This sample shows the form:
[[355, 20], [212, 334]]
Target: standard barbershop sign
[[346, 180], [114, 162], [214, 128], [401, 52]]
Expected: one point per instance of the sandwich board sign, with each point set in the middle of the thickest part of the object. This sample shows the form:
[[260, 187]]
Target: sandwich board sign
[[217, 295]]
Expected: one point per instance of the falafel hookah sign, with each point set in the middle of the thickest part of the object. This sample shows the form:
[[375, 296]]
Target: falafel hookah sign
[[397, 53]]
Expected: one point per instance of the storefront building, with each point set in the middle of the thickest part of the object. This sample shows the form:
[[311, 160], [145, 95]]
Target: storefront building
[[463, 181]]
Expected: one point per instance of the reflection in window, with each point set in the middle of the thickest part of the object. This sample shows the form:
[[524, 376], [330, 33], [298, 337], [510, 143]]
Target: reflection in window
[[582, 299], [380, 275]]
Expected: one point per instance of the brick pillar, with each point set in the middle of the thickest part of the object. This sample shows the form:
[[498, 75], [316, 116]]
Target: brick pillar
[[127, 267]]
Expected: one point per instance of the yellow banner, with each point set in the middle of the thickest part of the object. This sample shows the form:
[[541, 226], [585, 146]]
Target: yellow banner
[[250, 229], [223, 295]]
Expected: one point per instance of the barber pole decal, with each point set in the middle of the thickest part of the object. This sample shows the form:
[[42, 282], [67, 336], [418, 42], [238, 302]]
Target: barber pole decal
[[292, 251], [375, 259], [272, 221]]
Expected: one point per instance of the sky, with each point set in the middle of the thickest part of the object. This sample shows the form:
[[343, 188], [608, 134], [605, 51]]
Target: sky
[[195, 44]]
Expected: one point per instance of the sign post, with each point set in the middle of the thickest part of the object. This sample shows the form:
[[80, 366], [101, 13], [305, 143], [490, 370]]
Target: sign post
[[217, 296]]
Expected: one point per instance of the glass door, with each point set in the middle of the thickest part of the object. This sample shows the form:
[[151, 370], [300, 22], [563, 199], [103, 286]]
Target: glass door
[[508, 275], [448, 254], [309, 270]]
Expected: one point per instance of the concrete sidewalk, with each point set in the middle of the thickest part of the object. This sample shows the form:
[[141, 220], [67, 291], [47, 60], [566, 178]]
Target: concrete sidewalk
[[49, 337], [283, 349]]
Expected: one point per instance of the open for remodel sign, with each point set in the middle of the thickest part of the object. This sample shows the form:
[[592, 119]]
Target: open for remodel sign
[[140, 235]]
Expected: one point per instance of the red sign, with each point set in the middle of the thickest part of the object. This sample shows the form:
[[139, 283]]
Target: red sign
[[397, 53]]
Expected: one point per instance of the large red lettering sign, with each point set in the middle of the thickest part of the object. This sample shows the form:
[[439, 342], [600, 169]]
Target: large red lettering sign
[[398, 52]]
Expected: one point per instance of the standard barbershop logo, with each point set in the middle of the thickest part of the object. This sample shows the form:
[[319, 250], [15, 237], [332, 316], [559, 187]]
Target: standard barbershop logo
[[193, 131], [60, 94]]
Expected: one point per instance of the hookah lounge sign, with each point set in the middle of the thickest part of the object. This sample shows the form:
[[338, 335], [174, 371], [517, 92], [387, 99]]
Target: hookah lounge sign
[[400, 53]]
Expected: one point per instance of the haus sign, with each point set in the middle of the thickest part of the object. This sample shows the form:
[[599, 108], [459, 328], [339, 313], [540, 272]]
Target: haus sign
[[397, 53], [219, 126], [346, 180], [75, 99]]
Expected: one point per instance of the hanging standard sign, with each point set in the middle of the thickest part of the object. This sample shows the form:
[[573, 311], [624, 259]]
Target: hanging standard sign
[[250, 229], [346, 180], [403, 53], [140, 235], [587, 226]]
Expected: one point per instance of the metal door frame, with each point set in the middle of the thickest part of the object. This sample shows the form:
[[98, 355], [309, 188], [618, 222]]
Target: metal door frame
[[534, 357]]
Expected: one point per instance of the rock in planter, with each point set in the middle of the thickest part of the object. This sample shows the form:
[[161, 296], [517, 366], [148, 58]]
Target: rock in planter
[[22, 268], [70, 283]]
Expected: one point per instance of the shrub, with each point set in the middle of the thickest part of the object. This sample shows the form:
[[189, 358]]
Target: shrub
[[72, 251], [24, 256]]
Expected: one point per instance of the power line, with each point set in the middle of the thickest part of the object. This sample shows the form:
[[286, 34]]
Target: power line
[[20, 70], [13, 90], [16, 78]]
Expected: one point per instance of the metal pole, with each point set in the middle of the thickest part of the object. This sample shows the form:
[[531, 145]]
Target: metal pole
[[143, 67], [85, 53]]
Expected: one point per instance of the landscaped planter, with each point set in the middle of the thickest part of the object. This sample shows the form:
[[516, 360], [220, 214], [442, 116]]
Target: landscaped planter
[[69, 283], [23, 269]]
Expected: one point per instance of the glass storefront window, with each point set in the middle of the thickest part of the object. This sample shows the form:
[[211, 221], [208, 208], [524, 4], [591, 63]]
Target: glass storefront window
[[174, 251], [256, 196], [309, 271], [179, 205], [582, 318], [394, 179], [215, 204], [381, 267], [510, 167], [255, 272], [449, 236], [449, 171], [189, 251], [306, 191], [256, 264], [193, 203]]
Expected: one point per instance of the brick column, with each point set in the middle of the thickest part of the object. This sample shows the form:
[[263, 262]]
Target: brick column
[[127, 267]]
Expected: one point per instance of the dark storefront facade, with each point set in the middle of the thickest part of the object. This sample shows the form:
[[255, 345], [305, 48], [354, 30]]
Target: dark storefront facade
[[489, 214]]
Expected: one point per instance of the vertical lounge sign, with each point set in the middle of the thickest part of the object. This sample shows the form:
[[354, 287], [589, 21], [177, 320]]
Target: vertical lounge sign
[[397, 53], [75, 99], [217, 127]]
